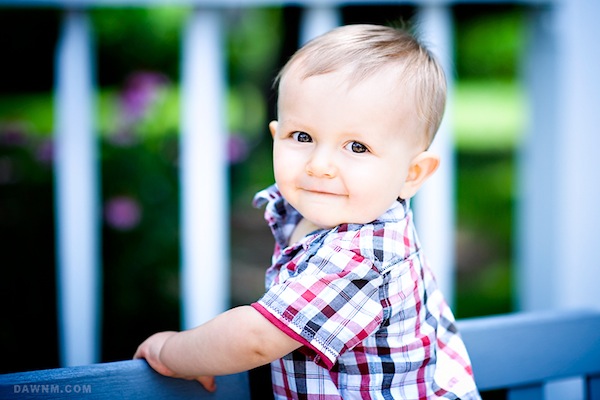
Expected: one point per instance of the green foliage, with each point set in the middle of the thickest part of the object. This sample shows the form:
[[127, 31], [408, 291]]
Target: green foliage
[[32, 112], [485, 193], [130, 39], [254, 41], [485, 291], [489, 44]]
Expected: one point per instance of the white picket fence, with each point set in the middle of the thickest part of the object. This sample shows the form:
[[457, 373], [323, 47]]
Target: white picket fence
[[558, 222]]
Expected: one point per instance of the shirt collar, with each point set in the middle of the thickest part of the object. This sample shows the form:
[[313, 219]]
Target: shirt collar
[[279, 214]]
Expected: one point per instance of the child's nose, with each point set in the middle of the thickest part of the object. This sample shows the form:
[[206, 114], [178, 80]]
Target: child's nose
[[321, 164]]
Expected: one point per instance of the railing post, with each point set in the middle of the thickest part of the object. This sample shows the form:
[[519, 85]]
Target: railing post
[[558, 215], [76, 191], [434, 204], [316, 20], [204, 194], [538, 186]]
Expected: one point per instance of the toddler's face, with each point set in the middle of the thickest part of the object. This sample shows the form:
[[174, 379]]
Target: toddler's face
[[342, 153]]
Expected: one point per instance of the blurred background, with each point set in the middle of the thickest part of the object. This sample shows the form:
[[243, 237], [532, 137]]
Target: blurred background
[[138, 53]]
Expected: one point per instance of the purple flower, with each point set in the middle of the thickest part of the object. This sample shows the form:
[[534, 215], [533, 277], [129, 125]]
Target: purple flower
[[122, 213], [237, 149], [141, 90]]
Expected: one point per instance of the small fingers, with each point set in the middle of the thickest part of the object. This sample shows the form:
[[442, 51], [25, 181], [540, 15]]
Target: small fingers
[[208, 382]]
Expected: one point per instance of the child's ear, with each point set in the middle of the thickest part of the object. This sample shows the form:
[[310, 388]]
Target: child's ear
[[273, 127], [420, 169]]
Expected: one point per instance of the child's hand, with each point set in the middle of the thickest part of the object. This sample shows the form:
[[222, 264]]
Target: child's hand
[[150, 350]]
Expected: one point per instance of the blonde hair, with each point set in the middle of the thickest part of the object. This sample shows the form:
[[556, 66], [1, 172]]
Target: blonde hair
[[367, 49]]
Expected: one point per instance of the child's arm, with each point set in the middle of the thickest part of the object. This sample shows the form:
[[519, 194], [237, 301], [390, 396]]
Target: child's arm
[[237, 340]]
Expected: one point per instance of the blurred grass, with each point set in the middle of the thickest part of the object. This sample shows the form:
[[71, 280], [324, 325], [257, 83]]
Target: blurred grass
[[488, 115]]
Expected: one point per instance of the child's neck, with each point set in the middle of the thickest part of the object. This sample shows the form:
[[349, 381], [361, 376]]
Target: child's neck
[[303, 228]]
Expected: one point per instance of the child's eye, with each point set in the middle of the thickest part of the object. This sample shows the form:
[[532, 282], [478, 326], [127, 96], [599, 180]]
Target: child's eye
[[357, 147], [302, 137]]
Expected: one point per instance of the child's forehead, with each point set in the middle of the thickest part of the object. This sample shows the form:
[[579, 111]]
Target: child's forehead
[[387, 82]]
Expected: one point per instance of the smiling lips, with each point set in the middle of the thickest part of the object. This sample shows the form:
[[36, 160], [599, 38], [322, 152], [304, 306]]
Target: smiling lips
[[321, 192]]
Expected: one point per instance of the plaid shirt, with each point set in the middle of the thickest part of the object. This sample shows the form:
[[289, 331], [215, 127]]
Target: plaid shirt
[[365, 306]]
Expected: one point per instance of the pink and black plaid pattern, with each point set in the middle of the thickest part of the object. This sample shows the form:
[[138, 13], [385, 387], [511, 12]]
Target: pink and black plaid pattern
[[367, 309]]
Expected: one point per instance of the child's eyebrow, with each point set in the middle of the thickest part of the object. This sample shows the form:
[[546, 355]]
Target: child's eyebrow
[[294, 123]]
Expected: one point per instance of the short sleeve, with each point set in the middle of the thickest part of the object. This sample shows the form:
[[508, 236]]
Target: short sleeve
[[329, 302]]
